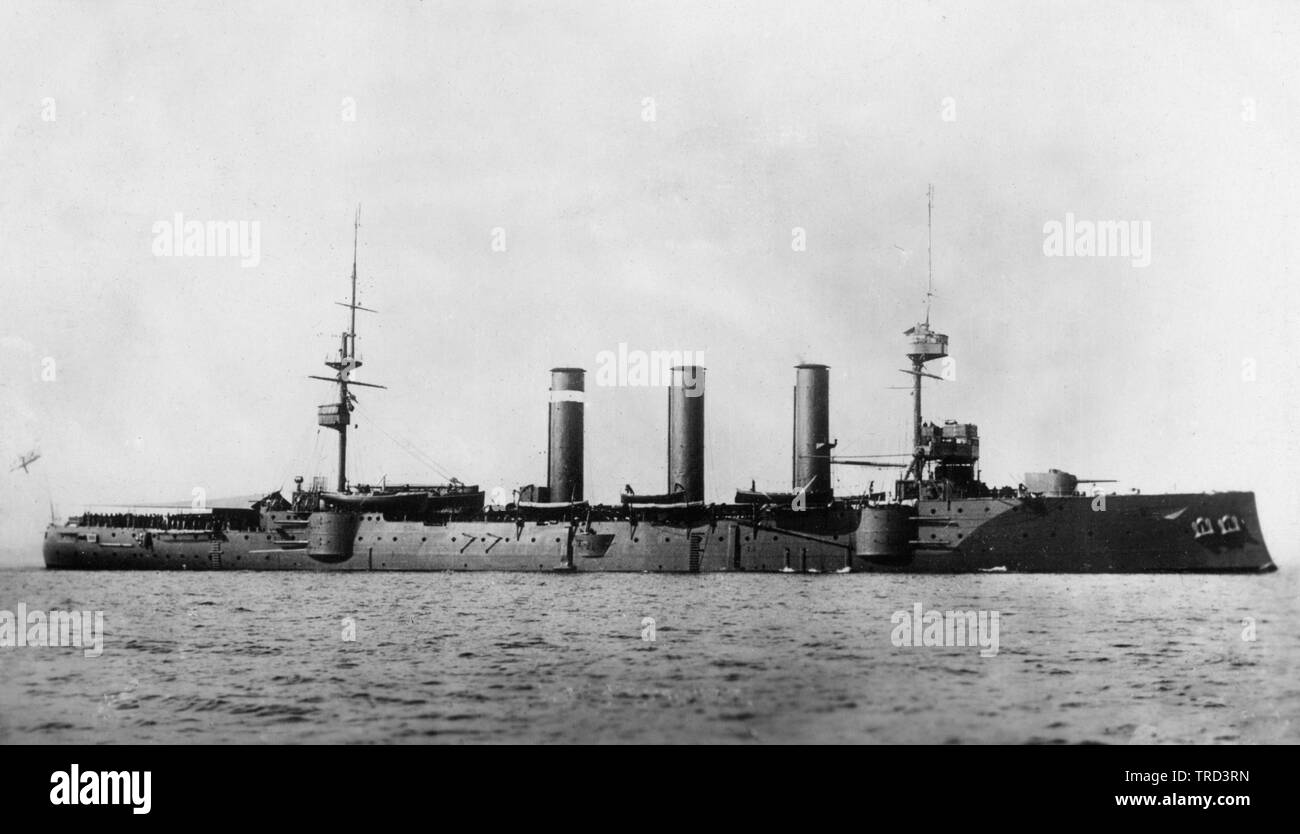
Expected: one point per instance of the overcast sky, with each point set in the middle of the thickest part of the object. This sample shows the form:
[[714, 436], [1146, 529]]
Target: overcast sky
[[650, 169]]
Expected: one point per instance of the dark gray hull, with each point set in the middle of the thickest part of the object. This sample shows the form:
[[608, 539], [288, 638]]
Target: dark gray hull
[[1131, 534]]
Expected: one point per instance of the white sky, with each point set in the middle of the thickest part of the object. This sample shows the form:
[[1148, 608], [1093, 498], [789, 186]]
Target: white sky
[[672, 234]]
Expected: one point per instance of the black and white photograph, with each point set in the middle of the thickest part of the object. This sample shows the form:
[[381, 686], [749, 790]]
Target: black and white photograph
[[650, 373]]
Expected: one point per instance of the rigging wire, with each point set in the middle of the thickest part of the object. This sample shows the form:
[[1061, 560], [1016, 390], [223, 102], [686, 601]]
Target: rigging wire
[[299, 460], [406, 446]]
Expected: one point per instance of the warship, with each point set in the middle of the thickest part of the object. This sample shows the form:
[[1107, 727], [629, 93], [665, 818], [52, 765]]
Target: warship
[[938, 518]]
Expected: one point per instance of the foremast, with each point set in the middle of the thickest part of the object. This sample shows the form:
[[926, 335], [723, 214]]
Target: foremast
[[924, 345], [337, 415]]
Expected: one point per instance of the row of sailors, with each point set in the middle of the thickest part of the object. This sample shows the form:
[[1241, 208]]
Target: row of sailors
[[151, 522]]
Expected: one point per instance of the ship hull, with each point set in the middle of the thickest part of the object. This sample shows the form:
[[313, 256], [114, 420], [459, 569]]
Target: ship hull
[[1196, 532], [1214, 532]]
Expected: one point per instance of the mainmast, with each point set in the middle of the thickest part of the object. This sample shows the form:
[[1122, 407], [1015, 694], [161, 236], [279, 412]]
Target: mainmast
[[338, 415], [924, 346], [929, 251]]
